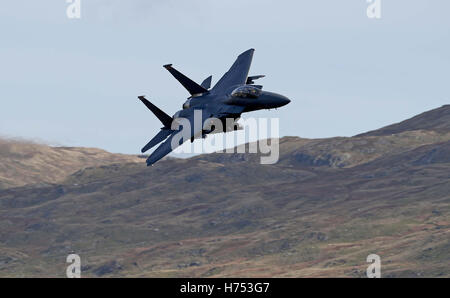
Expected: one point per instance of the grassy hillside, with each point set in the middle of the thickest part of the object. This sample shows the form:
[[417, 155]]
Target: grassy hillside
[[434, 120], [23, 162], [319, 212]]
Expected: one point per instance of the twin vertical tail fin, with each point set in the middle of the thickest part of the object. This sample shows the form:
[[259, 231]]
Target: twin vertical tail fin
[[207, 83], [192, 87], [165, 119]]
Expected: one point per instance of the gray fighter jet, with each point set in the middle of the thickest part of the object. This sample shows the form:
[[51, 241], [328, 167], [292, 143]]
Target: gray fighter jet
[[235, 93]]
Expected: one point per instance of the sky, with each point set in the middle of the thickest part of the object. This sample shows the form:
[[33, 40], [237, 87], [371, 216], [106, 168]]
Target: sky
[[75, 82]]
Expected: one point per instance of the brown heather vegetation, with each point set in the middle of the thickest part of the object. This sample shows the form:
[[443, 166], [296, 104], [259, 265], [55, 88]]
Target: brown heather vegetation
[[319, 212]]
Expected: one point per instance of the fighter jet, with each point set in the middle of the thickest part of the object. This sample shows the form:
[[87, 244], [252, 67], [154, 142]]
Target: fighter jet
[[235, 93]]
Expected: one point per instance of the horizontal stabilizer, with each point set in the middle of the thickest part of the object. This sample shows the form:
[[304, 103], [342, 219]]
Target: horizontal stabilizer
[[207, 82], [187, 83], [161, 136], [163, 117]]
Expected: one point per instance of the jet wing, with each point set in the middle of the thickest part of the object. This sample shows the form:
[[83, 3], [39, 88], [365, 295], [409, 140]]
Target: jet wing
[[167, 147], [238, 73]]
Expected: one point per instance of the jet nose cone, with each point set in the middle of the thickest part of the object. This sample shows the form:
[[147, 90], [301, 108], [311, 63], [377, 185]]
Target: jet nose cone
[[273, 100], [284, 100]]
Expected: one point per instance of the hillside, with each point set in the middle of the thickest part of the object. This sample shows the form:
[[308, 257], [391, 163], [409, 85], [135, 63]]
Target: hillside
[[23, 162], [340, 152], [319, 212], [435, 120]]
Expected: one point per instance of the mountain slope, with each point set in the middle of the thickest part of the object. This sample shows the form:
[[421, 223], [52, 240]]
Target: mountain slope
[[312, 214], [435, 120], [340, 152], [199, 218], [23, 162]]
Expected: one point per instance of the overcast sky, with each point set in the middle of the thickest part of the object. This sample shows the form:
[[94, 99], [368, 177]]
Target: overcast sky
[[74, 82]]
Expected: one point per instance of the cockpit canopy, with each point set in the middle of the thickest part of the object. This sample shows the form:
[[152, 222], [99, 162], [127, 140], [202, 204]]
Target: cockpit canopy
[[246, 92]]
